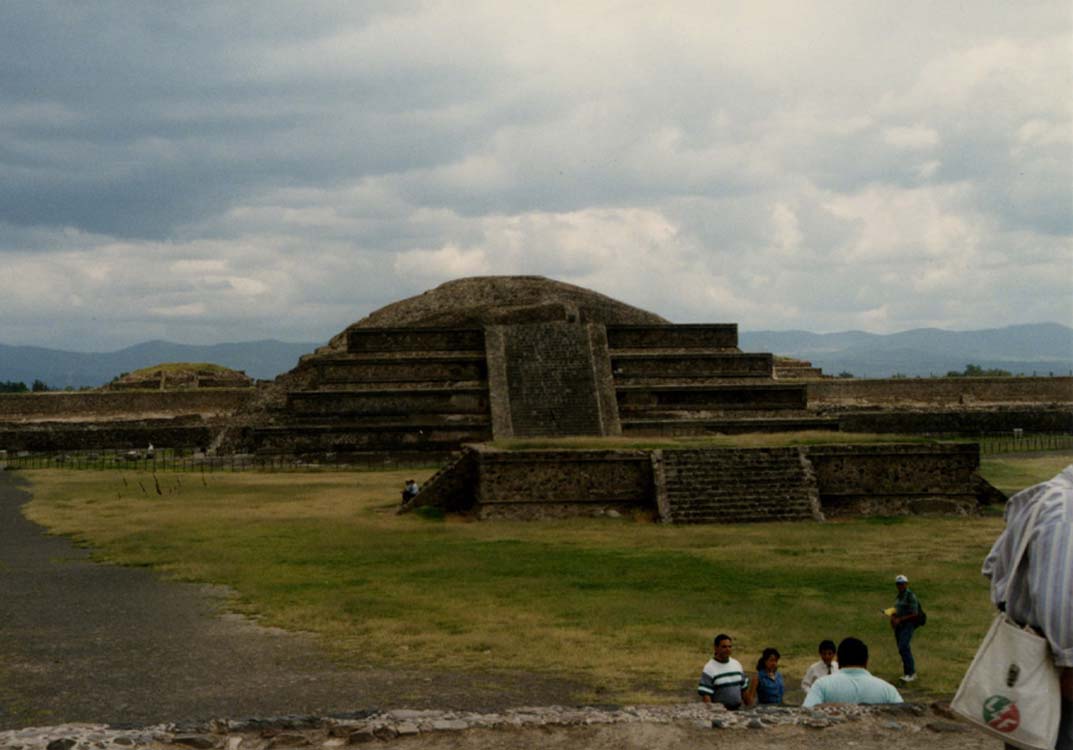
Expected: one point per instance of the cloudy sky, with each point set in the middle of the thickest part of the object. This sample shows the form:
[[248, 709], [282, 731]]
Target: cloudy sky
[[209, 172]]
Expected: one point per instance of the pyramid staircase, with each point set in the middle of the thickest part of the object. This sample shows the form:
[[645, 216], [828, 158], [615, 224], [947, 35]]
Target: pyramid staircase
[[729, 485]]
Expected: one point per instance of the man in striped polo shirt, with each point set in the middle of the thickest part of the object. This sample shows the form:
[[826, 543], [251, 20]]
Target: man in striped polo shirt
[[722, 679], [1041, 590]]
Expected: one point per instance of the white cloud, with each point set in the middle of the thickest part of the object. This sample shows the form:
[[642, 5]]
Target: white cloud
[[913, 137], [282, 172]]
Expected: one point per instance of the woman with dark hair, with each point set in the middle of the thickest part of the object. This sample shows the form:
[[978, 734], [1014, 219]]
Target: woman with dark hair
[[769, 687]]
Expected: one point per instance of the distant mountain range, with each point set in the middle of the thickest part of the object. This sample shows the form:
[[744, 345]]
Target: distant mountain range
[[1042, 349], [1039, 348], [61, 369]]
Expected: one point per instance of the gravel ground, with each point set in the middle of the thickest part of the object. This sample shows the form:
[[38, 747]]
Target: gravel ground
[[85, 642]]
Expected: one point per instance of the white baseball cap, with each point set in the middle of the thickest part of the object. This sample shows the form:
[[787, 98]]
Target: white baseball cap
[[901, 579]]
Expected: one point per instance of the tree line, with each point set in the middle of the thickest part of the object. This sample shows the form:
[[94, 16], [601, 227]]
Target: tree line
[[12, 386]]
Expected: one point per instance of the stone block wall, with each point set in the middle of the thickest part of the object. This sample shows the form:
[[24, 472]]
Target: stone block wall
[[958, 422], [896, 479], [401, 402], [700, 336], [685, 367], [414, 340], [526, 484], [638, 400], [452, 368], [97, 405], [720, 485], [946, 391], [105, 435]]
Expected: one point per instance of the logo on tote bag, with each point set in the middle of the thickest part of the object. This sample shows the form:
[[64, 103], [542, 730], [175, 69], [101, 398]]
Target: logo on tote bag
[[1001, 713]]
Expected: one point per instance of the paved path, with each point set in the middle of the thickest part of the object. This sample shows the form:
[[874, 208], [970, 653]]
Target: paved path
[[80, 641]]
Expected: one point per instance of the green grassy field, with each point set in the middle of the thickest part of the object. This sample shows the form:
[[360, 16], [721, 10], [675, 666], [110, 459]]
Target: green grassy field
[[628, 607]]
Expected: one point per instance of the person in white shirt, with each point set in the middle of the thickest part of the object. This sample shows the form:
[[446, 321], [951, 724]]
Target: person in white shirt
[[853, 683], [825, 666]]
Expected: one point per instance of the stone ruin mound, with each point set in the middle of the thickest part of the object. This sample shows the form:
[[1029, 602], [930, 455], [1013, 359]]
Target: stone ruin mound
[[500, 300], [473, 302], [175, 376]]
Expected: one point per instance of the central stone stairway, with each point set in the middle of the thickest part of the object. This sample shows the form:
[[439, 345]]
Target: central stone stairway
[[729, 485]]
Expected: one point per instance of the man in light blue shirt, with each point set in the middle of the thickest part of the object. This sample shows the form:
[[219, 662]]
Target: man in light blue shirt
[[853, 683]]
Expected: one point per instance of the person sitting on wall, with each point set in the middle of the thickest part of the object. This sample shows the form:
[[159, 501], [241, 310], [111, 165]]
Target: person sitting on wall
[[825, 666], [409, 490], [723, 680], [853, 683], [768, 688]]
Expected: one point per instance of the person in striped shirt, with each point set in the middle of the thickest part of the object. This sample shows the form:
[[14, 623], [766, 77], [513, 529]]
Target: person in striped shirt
[[723, 680], [1040, 591]]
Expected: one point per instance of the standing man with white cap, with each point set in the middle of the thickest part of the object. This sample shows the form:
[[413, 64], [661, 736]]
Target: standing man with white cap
[[904, 621]]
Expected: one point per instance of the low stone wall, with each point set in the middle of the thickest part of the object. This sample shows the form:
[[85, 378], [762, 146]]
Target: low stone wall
[[390, 402], [387, 439], [926, 478], [97, 405], [957, 422], [699, 336], [637, 400], [459, 367], [121, 435], [534, 484], [415, 339], [880, 479], [684, 367], [948, 391]]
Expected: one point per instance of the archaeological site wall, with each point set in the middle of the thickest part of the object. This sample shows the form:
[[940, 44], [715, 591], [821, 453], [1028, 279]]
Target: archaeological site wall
[[96, 405], [715, 485], [848, 392], [131, 434]]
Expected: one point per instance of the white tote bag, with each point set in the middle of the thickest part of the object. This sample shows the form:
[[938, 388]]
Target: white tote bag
[[1011, 688]]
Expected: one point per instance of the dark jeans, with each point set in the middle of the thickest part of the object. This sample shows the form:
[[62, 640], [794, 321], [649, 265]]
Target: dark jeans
[[903, 633]]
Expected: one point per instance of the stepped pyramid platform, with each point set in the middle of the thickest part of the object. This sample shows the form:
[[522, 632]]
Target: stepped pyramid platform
[[394, 391], [712, 485], [693, 380], [502, 357]]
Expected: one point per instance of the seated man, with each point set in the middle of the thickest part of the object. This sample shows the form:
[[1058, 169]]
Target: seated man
[[825, 666], [853, 683], [723, 680], [409, 490]]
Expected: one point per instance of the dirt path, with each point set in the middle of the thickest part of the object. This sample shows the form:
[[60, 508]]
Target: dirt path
[[80, 641]]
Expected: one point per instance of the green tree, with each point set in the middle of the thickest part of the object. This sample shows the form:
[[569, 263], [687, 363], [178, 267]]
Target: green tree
[[975, 371], [10, 386], [39, 386]]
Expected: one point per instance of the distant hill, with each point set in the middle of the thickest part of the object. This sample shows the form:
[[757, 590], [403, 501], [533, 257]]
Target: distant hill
[[1040, 348], [61, 369]]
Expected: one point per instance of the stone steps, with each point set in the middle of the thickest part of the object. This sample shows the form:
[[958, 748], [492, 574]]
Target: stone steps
[[731, 486], [737, 426]]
